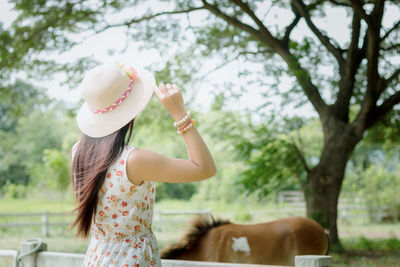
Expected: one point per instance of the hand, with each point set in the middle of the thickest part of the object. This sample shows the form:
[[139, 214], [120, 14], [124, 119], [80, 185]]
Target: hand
[[171, 98]]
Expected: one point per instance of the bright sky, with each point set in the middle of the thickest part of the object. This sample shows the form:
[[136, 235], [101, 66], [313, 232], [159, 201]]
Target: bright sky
[[335, 23]]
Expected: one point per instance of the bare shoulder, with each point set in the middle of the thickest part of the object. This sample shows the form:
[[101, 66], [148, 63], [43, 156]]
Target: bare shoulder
[[140, 165], [139, 156], [132, 166]]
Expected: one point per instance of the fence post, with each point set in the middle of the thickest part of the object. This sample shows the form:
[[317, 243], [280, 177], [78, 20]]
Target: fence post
[[313, 261], [45, 221], [28, 253]]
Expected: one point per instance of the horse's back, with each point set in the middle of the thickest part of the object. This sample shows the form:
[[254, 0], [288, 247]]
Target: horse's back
[[309, 236], [257, 244], [275, 243]]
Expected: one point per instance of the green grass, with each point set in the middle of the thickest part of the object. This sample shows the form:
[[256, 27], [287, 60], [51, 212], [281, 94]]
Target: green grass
[[361, 251], [366, 245], [366, 261], [35, 205]]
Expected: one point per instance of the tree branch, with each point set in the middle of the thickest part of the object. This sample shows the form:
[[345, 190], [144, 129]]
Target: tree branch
[[375, 85], [254, 52], [234, 21], [301, 157], [363, 49], [392, 77], [326, 41], [340, 3], [303, 162], [289, 29], [358, 7], [393, 46], [374, 114], [275, 43], [395, 26], [348, 73], [380, 112], [226, 62], [219, 66], [377, 15], [302, 76], [190, 9], [249, 12], [149, 17]]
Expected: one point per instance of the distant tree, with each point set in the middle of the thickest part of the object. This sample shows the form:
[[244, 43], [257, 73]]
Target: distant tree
[[53, 171], [363, 73], [373, 177], [20, 100], [273, 161], [30, 124]]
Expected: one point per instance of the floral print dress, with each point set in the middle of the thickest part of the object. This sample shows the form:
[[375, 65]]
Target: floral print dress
[[121, 234]]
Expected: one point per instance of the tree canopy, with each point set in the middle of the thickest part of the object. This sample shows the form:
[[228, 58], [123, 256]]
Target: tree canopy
[[358, 74]]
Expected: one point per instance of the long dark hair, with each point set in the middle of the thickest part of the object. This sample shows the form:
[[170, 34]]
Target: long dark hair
[[89, 167]]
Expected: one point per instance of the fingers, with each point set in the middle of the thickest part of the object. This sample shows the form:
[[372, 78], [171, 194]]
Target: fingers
[[170, 89], [163, 90], [157, 91], [176, 88]]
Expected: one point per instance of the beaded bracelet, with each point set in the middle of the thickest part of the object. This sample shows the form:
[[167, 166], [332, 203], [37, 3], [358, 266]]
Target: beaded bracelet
[[182, 121], [184, 129]]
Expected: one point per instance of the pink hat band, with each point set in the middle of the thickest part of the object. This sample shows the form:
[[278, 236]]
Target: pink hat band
[[116, 103]]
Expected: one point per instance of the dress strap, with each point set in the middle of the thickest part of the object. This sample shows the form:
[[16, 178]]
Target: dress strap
[[128, 149], [124, 158]]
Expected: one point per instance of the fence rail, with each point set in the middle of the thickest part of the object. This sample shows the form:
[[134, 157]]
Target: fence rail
[[45, 223], [41, 257], [347, 212]]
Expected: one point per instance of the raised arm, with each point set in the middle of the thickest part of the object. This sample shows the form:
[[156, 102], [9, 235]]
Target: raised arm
[[146, 165]]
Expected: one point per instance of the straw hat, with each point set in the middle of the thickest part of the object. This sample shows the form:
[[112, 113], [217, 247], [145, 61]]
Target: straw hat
[[113, 96]]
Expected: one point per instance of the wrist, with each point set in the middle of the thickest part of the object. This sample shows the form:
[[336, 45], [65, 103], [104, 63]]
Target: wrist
[[186, 127], [179, 115]]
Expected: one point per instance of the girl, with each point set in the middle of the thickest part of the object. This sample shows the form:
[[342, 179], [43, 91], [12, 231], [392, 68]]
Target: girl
[[115, 183]]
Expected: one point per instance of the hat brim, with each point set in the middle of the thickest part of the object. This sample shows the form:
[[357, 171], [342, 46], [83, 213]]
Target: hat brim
[[103, 124]]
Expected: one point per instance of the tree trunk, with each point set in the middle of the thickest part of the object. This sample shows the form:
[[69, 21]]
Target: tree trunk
[[322, 196], [324, 181]]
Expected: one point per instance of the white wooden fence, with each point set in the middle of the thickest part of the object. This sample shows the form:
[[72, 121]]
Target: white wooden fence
[[160, 218], [347, 213], [32, 254], [45, 222], [349, 210]]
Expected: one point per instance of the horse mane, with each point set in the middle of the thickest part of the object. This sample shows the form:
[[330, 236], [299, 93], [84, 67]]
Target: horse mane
[[198, 227]]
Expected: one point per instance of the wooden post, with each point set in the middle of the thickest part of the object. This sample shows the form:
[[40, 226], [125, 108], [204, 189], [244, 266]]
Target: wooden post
[[313, 261], [45, 226], [28, 253]]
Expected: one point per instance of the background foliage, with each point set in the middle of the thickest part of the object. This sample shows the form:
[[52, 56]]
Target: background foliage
[[352, 84]]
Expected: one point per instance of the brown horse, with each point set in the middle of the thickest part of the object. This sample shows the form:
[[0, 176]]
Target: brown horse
[[274, 243]]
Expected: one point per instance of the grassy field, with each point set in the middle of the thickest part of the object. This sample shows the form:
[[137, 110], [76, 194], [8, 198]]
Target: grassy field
[[365, 244]]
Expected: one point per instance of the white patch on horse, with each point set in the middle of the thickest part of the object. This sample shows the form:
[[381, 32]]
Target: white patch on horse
[[241, 244]]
